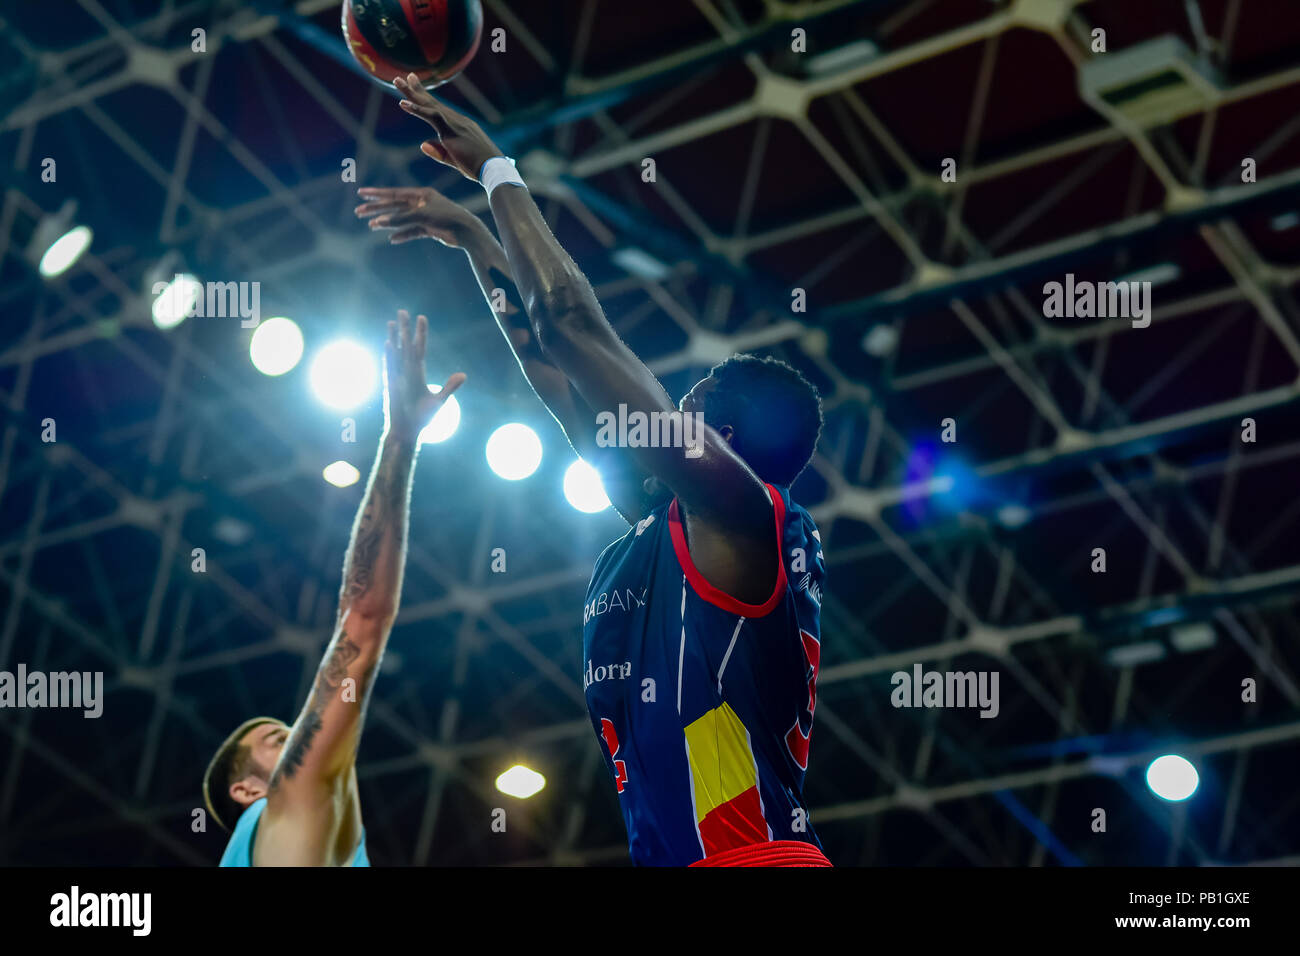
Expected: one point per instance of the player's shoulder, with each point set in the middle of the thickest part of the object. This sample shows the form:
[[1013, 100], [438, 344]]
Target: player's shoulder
[[798, 516], [802, 544]]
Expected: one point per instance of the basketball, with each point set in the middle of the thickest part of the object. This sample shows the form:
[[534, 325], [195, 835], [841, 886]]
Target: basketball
[[435, 39]]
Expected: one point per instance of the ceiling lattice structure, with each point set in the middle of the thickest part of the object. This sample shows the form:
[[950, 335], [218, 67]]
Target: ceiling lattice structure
[[776, 171]]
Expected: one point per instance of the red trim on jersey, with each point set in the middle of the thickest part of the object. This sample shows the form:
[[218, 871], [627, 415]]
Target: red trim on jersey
[[772, 853], [711, 594]]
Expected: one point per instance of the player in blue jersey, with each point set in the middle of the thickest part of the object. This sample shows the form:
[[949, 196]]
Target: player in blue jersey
[[700, 633], [290, 792]]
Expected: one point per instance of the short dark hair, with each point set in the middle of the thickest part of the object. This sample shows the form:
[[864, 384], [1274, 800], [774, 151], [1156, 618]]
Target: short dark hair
[[775, 413], [232, 761]]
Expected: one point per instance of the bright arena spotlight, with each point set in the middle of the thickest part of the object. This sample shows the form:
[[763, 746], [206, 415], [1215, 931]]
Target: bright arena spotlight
[[584, 489], [514, 451], [176, 301], [344, 375], [444, 423], [1172, 777], [341, 474], [521, 782], [276, 346], [65, 251]]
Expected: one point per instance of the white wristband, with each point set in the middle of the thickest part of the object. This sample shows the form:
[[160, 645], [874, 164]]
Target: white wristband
[[497, 171]]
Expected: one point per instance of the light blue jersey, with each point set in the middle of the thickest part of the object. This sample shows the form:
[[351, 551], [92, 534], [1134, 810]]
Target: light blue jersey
[[239, 851]]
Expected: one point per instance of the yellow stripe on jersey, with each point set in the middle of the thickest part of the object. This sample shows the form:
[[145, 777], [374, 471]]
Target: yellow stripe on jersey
[[722, 764]]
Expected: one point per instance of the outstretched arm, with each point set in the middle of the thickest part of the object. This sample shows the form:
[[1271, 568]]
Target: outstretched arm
[[313, 814], [416, 213], [729, 513]]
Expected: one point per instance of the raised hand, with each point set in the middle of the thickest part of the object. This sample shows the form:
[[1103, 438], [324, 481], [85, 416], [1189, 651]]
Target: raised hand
[[415, 213], [460, 142], [409, 404]]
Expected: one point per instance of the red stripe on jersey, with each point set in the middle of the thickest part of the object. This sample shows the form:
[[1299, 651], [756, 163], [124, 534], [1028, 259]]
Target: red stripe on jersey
[[738, 822], [711, 594]]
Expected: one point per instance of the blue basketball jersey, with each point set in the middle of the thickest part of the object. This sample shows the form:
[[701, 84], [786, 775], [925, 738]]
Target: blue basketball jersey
[[239, 851], [703, 704]]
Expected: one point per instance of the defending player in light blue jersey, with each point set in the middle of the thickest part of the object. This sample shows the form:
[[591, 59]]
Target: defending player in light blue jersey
[[290, 792]]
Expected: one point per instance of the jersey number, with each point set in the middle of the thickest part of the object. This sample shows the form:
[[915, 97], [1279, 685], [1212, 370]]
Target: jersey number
[[611, 741], [797, 737]]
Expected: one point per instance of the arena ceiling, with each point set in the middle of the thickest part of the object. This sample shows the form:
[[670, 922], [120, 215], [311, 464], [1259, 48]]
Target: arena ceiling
[[776, 171]]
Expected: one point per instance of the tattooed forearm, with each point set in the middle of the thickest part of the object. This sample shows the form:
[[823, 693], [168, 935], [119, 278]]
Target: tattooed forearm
[[329, 679], [299, 743], [380, 527], [335, 668], [361, 566]]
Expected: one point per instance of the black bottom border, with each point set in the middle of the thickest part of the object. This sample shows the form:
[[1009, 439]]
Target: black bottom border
[[929, 905]]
